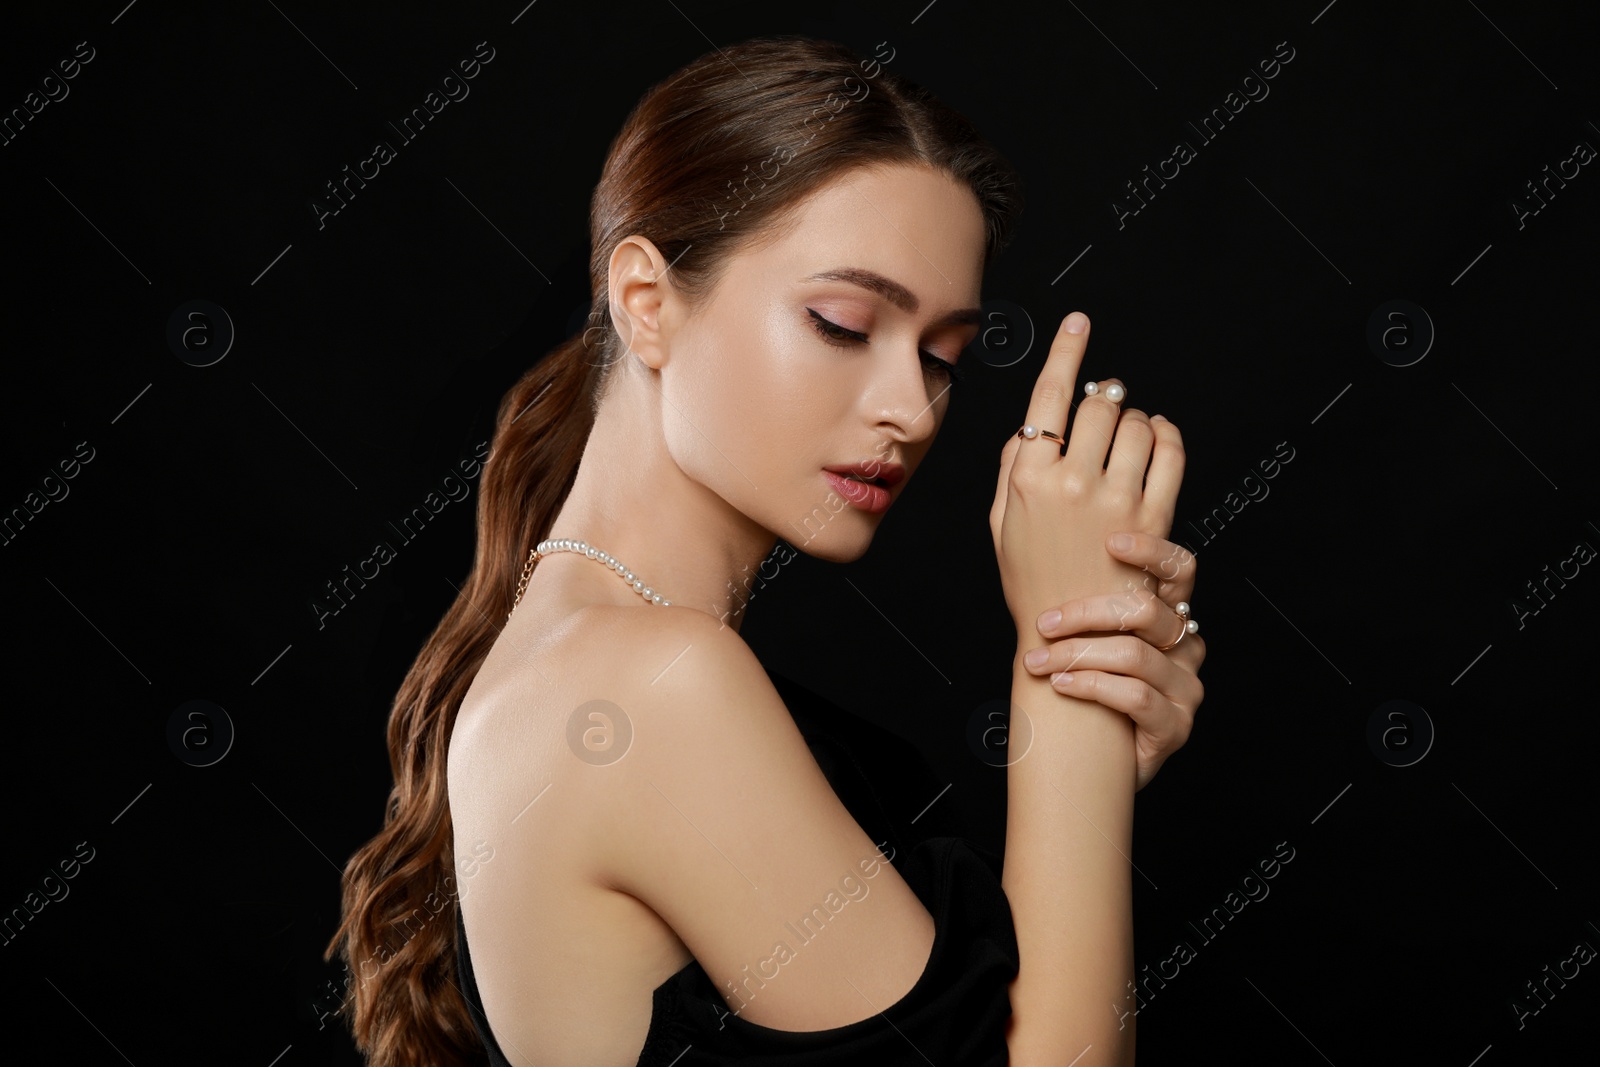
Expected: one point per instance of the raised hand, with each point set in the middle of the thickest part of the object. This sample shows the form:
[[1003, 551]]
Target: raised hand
[[1053, 511], [1053, 523]]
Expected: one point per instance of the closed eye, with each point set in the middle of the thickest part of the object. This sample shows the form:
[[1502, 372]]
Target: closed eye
[[835, 334]]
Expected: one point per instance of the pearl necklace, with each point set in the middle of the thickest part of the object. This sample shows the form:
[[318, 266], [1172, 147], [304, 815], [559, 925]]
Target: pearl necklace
[[564, 544]]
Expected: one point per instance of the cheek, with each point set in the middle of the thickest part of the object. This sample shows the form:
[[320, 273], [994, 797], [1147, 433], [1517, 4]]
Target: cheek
[[747, 410], [789, 377], [781, 381]]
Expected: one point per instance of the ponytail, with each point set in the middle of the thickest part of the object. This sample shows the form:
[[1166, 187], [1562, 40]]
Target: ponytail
[[397, 936]]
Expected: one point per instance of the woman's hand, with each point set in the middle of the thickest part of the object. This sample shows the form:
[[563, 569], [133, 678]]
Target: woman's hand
[[1053, 512], [1126, 671]]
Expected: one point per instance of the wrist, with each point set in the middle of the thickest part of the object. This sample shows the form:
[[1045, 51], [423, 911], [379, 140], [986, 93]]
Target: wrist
[[1023, 676], [1028, 639]]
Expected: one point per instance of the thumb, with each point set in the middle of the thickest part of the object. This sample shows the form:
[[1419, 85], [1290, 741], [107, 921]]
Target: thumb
[[997, 510]]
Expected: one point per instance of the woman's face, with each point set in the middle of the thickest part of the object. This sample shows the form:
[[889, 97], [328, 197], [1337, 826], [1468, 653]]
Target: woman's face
[[769, 382]]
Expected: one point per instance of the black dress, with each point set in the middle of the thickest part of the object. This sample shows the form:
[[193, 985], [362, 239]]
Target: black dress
[[957, 1011]]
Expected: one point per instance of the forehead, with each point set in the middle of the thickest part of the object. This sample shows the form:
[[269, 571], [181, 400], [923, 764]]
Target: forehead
[[913, 224]]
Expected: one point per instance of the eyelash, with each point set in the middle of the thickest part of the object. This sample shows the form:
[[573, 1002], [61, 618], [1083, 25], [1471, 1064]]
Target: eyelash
[[939, 366]]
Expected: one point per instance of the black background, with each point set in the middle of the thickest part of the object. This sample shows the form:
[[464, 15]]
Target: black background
[[1384, 562]]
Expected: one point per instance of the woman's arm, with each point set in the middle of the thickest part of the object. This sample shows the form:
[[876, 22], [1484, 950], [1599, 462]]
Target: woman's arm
[[1073, 768], [1069, 830], [1132, 671]]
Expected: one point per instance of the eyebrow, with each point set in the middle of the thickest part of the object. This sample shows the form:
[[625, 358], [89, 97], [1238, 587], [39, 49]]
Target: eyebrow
[[895, 293]]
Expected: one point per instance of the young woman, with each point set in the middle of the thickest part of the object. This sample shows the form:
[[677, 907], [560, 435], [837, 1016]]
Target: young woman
[[656, 857]]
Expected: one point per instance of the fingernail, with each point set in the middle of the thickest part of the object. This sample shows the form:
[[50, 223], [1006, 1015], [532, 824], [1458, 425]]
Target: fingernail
[[1122, 542], [1064, 678], [1037, 657], [1158, 418], [1049, 620], [1077, 322]]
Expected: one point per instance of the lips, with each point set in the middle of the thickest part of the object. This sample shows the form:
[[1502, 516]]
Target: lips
[[886, 475], [865, 486], [863, 495]]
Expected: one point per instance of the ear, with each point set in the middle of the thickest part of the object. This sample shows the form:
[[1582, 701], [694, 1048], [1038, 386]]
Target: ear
[[638, 294]]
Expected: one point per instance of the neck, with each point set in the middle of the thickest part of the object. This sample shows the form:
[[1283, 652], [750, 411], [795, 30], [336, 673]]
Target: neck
[[631, 500]]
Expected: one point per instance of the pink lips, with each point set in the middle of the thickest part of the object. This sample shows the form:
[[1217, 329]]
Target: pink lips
[[863, 495]]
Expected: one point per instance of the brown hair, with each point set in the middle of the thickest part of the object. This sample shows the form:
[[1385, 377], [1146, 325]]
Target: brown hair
[[717, 154]]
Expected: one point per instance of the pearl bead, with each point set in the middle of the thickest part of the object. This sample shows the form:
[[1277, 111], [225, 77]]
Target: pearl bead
[[570, 544], [1030, 432], [1192, 626], [1182, 608], [1115, 393], [1091, 388]]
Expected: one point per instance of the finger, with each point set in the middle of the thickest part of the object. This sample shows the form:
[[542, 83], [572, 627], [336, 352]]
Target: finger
[[1053, 391], [1092, 429], [1170, 566], [1130, 452], [1164, 724], [1136, 611], [997, 511], [1120, 654], [1148, 757], [1189, 654], [1166, 471]]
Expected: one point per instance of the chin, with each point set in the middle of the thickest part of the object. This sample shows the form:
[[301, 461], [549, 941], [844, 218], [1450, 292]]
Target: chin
[[839, 545]]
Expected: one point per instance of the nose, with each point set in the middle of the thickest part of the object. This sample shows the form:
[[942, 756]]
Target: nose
[[901, 395]]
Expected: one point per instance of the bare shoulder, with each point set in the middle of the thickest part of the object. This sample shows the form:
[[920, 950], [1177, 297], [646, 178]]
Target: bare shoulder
[[664, 639], [661, 690], [551, 707], [713, 812], [687, 679]]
